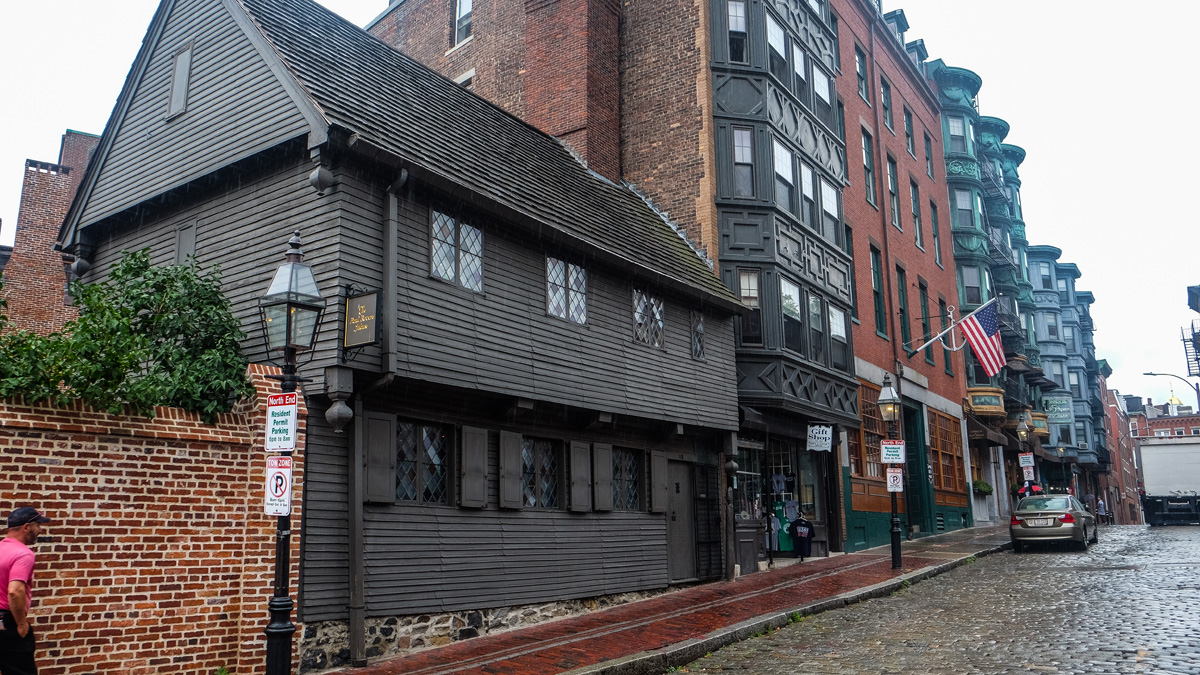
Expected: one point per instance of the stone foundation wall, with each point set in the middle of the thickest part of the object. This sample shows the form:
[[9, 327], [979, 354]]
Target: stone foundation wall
[[326, 644]]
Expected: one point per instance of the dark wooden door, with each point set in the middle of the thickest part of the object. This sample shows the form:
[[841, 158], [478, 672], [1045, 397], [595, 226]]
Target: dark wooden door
[[681, 522]]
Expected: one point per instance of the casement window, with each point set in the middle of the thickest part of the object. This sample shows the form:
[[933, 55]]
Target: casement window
[[423, 454], [748, 293], [743, 162], [893, 193], [1014, 205], [832, 208], [823, 97], [541, 473], [777, 50], [841, 120], [808, 195], [1076, 389], [937, 235], [800, 75], [860, 68], [839, 340], [945, 350], [1081, 434], [627, 480], [958, 133], [566, 290], [456, 254], [971, 289], [1069, 337], [885, 100], [181, 73], [738, 53], [1178, 432], [1056, 374], [864, 452], [868, 167], [815, 6], [848, 248], [902, 293], [462, 20], [928, 156], [785, 181], [914, 195], [926, 324], [881, 325], [964, 216], [978, 211], [816, 327], [909, 143], [1044, 273], [1052, 327], [648, 312], [697, 335], [185, 244], [793, 319], [1064, 295], [945, 452]]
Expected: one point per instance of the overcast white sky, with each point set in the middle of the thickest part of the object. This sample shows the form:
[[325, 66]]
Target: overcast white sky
[[1092, 95]]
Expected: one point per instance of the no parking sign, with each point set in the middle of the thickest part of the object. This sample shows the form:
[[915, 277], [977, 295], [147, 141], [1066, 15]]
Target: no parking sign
[[278, 495]]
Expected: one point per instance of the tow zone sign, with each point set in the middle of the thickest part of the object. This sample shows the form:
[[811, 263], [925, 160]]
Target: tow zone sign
[[277, 497]]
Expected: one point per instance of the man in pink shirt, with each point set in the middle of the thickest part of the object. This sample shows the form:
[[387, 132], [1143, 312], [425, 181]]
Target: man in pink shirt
[[16, 576]]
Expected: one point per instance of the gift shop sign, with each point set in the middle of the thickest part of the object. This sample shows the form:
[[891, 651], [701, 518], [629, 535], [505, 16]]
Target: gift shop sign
[[281, 422]]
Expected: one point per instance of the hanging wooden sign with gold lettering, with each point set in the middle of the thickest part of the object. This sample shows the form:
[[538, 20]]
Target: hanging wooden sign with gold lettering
[[361, 327]]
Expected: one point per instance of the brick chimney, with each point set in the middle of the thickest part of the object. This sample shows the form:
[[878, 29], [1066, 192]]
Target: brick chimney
[[571, 80], [36, 276]]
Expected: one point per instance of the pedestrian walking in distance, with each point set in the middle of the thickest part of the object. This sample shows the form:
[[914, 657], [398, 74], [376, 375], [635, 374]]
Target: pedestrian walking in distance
[[1102, 511], [16, 576]]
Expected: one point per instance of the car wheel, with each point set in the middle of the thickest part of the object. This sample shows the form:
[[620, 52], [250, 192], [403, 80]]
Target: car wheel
[[1082, 544], [1096, 534], [1018, 546]]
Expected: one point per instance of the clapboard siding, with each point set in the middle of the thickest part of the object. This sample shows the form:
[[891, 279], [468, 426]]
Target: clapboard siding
[[502, 340], [324, 561], [235, 108], [245, 230]]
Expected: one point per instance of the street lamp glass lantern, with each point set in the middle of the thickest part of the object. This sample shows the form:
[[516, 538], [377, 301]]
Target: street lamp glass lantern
[[1022, 430], [889, 401], [292, 307]]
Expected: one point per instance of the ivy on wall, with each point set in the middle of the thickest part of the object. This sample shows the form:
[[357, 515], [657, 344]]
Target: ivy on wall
[[146, 336]]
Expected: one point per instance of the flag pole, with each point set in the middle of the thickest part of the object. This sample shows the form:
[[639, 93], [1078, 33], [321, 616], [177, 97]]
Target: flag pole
[[953, 325]]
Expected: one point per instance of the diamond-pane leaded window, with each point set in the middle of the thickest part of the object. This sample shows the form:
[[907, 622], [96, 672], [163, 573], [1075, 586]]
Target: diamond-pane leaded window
[[422, 453], [566, 290], [627, 480], [456, 252], [647, 318], [697, 335], [540, 473]]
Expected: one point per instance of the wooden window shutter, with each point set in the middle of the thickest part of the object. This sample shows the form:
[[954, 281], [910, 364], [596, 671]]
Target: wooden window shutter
[[659, 484], [379, 454], [581, 477], [510, 470], [602, 487], [474, 468]]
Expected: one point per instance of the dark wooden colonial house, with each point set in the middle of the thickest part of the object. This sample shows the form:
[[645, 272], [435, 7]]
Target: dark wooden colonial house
[[545, 413]]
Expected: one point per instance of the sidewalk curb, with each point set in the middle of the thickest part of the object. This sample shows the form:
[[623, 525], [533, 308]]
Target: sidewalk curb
[[659, 661]]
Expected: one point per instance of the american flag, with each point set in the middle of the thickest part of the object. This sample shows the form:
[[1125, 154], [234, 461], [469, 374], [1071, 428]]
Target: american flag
[[983, 332]]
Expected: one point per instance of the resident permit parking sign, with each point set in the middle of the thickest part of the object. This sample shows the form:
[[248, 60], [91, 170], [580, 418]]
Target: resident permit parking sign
[[277, 499], [1026, 458], [891, 452], [895, 479], [281, 422]]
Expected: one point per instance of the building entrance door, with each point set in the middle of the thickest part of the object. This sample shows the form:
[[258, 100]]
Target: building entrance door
[[681, 522]]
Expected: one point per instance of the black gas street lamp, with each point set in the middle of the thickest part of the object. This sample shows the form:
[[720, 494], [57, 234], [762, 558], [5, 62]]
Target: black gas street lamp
[[291, 314], [889, 410]]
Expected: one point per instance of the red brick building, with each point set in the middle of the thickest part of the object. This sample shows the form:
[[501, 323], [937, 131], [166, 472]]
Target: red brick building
[[36, 276], [1121, 481]]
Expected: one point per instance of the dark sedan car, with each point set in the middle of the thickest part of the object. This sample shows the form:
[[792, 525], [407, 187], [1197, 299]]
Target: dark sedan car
[[1048, 518]]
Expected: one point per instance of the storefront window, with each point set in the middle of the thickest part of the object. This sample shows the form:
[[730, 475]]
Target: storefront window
[[748, 485]]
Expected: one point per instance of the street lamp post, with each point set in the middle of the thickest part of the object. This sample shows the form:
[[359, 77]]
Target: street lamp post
[[889, 410], [1195, 387], [291, 313]]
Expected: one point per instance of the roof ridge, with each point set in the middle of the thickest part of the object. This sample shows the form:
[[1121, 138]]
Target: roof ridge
[[700, 251]]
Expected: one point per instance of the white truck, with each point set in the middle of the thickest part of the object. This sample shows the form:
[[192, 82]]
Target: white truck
[[1170, 468]]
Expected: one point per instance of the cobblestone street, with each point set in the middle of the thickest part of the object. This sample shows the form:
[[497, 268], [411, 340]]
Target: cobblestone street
[[1131, 604]]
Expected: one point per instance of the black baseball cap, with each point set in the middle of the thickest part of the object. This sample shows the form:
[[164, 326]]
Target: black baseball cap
[[26, 514]]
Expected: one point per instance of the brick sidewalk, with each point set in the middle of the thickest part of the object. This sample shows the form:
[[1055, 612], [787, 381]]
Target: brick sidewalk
[[651, 635]]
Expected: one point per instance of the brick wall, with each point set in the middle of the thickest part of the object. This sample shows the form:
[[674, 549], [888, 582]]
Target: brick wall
[[35, 277], [159, 558]]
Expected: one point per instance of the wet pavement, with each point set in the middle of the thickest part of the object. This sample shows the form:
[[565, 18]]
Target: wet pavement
[[1131, 604]]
